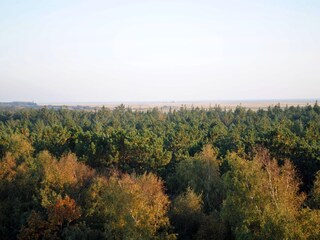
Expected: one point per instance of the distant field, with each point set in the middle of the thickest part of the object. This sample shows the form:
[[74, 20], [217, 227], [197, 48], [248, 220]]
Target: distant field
[[252, 104]]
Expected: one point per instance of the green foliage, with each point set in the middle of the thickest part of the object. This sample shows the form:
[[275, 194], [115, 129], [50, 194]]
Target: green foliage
[[16, 144], [201, 173], [191, 222], [186, 214], [263, 200], [212, 227], [315, 193], [67, 159]]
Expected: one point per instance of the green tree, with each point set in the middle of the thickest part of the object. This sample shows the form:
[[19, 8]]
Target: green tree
[[263, 199], [315, 192], [202, 174], [186, 214]]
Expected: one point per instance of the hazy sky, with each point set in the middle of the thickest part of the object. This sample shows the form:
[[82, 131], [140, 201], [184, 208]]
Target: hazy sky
[[62, 51]]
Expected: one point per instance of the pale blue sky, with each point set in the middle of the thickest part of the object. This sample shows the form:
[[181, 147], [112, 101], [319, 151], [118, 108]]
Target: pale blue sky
[[64, 51]]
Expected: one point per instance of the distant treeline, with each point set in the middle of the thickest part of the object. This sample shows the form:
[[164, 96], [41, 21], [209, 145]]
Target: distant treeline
[[18, 104], [187, 174], [9, 106]]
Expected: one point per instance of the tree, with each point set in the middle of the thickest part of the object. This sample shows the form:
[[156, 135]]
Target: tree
[[18, 181], [263, 199], [186, 214], [201, 173], [64, 177], [18, 145], [315, 192], [59, 216], [128, 207]]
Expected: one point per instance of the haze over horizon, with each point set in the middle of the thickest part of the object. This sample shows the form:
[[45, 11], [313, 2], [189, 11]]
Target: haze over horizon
[[120, 51]]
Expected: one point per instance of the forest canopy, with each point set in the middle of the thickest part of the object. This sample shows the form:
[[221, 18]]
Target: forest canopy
[[182, 174]]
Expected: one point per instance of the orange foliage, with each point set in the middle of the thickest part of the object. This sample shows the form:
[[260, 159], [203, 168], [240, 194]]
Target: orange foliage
[[8, 168], [60, 214], [64, 210]]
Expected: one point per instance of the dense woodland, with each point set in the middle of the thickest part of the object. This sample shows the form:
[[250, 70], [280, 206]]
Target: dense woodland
[[186, 174]]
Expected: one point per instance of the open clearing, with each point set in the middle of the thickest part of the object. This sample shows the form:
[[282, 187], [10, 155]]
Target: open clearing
[[165, 106]]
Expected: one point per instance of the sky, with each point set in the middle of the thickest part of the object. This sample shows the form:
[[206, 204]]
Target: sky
[[128, 50]]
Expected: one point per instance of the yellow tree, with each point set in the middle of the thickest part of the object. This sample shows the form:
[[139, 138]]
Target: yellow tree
[[61, 177], [128, 207]]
